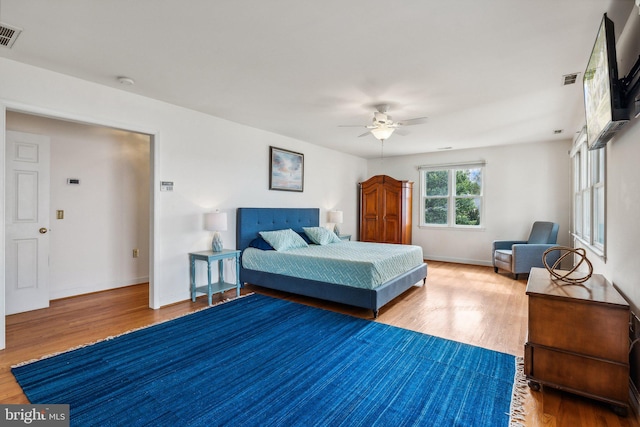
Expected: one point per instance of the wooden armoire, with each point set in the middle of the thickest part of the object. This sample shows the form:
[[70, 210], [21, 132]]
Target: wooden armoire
[[385, 210]]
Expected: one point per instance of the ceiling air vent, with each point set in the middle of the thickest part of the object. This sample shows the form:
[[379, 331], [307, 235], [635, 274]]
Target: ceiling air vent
[[569, 79], [8, 35]]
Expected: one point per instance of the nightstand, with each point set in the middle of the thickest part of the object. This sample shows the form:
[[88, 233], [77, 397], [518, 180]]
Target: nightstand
[[214, 287], [345, 237]]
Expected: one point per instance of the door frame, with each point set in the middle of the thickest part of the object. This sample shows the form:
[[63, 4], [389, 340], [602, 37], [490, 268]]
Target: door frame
[[154, 297]]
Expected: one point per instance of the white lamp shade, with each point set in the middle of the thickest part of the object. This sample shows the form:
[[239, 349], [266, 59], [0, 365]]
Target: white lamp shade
[[215, 221], [382, 132], [335, 217]]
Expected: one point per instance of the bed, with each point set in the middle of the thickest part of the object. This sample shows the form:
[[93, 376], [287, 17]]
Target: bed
[[252, 221]]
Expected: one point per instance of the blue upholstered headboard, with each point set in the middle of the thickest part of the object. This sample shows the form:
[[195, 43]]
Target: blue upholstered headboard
[[250, 221]]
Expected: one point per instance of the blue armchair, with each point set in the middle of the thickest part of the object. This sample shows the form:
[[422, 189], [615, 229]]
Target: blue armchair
[[518, 256]]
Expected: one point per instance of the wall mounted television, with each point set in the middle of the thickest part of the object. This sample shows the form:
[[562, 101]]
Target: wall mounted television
[[605, 111]]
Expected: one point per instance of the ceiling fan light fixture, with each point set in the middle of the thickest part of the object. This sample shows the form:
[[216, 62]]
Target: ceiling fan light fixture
[[379, 118], [382, 132]]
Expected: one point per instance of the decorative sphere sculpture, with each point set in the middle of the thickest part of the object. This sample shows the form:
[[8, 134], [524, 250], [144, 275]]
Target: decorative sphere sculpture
[[567, 275]]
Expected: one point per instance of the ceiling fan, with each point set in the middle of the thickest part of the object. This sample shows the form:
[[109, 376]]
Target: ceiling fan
[[383, 126]]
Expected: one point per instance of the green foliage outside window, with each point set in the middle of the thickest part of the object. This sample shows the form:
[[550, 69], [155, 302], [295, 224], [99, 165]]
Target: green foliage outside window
[[467, 198], [468, 183], [436, 205], [467, 213], [438, 183], [436, 211]]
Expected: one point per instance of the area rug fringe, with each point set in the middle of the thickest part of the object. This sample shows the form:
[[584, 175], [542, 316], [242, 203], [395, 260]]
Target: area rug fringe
[[516, 411], [26, 362]]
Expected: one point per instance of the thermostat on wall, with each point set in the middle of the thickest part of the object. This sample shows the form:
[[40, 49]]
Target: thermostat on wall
[[74, 181], [166, 185]]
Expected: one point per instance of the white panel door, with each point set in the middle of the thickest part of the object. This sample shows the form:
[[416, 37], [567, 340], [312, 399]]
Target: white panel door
[[27, 222]]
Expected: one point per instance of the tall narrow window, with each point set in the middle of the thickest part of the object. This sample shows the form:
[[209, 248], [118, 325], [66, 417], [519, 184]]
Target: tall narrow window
[[589, 198], [597, 183], [452, 195]]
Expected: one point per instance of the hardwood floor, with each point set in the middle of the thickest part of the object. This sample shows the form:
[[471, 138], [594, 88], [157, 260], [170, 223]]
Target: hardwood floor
[[466, 303]]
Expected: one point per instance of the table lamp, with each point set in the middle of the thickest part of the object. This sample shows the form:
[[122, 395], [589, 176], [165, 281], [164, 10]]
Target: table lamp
[[336, 218], [216, 222]]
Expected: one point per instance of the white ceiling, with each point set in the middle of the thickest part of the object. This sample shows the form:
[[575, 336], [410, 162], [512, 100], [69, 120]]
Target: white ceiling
[[485, 72]]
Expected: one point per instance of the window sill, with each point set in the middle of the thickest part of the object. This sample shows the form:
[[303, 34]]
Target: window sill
[[447, 227], [593, 249]]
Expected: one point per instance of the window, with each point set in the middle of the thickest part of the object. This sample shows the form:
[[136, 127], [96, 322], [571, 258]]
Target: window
[[452, 195], [589, 195]]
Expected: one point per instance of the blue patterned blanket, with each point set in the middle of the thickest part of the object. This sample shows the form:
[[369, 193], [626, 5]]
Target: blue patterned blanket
[[359, 264]]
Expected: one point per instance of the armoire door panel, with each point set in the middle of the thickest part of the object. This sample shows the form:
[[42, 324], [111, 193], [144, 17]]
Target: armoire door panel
[[385, 210], [369, 231], [391, 232], [370, 202]]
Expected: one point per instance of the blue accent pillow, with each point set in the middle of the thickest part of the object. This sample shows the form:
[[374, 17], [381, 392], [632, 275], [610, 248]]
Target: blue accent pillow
[[260, 243], [281, 240], [305, 237], [321, 235]]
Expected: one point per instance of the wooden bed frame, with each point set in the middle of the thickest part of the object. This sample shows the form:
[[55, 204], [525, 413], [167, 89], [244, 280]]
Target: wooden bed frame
[[252, 220]]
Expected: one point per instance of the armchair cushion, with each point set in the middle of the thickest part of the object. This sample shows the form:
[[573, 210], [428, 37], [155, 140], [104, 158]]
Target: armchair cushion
[[505, 244], [530, 255], [543, 232], [518, 256], [502, 259], [504, 255]]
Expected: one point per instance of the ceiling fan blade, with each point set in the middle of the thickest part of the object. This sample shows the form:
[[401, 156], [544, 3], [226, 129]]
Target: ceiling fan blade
[[411, 122], [357, 126], [364, 134]]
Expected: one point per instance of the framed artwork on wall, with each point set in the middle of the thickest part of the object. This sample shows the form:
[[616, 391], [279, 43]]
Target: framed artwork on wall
[[286, 170]]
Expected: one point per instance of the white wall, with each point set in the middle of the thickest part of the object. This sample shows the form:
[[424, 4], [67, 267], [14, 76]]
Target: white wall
[[623, 214], [106, 216], [623, 187], [523, 183], [214, 163]]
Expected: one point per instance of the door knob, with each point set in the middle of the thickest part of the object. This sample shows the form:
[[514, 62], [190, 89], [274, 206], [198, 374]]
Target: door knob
[[43, 230]]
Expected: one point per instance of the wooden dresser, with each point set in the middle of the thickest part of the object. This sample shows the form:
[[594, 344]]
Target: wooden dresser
[[578, 338], [385, 210]]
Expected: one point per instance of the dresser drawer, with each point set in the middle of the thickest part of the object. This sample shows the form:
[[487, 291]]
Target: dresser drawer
[[597, 330], [591, 377]]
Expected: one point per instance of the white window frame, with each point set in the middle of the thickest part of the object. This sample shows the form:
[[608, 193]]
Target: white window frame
[[589, 195], [451, 197]]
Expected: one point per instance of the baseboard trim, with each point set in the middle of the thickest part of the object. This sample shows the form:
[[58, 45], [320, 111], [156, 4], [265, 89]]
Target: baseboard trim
[[458, 260], [100, 287]]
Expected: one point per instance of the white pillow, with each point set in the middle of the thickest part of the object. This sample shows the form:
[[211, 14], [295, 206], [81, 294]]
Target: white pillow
[[321, 236], [281, 240]]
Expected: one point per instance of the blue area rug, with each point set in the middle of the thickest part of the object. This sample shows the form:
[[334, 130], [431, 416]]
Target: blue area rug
[[261, 361]]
